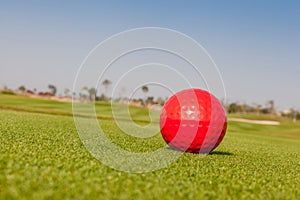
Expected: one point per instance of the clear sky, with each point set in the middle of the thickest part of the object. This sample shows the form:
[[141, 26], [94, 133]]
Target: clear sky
[[256, 44]]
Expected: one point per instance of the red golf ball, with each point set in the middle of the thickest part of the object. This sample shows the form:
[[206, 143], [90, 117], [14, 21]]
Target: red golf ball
[[193, 120]]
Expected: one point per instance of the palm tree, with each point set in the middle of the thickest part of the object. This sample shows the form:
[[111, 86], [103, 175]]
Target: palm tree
[[294, 114], [272, 106], [145, 89], [83, 95], [53, 89], [92, 94], [106, 83], [22, 88]]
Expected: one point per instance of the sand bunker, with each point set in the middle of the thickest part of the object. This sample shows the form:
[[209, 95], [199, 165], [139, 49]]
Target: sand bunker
[[264, 122]]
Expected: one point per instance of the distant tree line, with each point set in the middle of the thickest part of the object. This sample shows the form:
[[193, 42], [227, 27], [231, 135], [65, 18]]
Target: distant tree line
[[90, 94], [258, 109], [236, 107]]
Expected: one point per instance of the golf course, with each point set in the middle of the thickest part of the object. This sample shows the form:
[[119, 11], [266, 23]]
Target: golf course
[[42, 157]]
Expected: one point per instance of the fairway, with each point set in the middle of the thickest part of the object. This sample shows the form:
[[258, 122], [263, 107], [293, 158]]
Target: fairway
[[42, 157], [149, 100]]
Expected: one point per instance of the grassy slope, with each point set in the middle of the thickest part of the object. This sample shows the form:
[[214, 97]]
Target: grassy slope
[[35, 105], [42, 157]]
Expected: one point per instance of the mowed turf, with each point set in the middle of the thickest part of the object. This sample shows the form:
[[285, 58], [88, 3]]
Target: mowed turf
[[42, 157], [47, 106]]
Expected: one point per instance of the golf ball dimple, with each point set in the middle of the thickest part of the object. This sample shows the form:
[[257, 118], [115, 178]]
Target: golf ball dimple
[[193, 120]]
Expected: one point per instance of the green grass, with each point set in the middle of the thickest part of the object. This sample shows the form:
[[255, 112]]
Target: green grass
[[46, 106], [285, 130], [42, 157]]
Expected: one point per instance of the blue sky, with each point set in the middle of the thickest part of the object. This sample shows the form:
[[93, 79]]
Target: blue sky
[[256, 44]]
